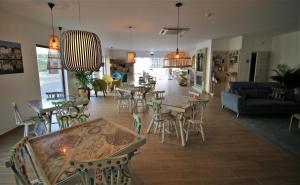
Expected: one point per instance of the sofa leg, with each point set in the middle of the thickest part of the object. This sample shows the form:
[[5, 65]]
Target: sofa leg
[[237, 115]]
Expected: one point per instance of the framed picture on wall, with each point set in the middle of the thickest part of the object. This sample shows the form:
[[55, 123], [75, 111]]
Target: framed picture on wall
[[11, 60]]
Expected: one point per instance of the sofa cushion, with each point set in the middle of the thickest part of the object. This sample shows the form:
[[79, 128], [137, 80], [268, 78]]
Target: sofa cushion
[[270, 103]]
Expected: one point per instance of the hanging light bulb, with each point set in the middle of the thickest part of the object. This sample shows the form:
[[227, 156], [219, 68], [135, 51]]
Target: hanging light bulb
[[53, 39]]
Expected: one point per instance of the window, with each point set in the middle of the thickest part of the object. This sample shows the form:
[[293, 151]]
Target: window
[[50, 71]]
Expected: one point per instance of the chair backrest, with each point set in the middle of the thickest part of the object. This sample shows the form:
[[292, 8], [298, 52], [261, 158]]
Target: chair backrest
[[159, 95], [18, 117], [66, 107], [137, 123], [198, 108], [55, 95], [66, 121], [109, 171], [16, 159], [156, 107]]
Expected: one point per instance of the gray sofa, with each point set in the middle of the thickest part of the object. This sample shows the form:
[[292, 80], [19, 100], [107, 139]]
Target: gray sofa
[[255, 98]]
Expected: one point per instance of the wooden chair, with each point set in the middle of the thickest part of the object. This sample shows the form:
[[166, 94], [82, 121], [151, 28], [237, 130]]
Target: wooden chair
[[17, 160], [196, 119], [155, 95], [111, 171], [66, 121], [38, 122], [159, 118], [137, 123], [124, 100], [139, 98], [55, 95]]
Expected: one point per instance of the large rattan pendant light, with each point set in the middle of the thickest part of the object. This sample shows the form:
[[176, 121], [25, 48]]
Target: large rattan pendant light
[[178, 58], [53, 39], [80, 50]]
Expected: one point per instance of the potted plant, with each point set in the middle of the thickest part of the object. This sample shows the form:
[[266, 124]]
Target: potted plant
[[289, 78], [84, 79], [286, 76]]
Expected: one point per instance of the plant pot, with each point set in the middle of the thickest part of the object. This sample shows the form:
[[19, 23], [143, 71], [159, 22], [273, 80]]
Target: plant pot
[[82, 92]]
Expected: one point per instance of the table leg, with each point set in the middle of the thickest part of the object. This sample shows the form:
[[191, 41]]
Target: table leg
[[181, 129], [48, 117]]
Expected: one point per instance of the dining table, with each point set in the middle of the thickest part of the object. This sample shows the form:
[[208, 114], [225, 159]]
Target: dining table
[[181, 105], [45, 107], [94, 140]]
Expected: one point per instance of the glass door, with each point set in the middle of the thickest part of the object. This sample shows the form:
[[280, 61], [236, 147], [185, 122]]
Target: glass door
[[50, 71]]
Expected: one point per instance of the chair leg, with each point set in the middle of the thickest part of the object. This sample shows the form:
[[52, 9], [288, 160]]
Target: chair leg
[[96, 94], [187, 131], [156, 126], [176, 130], [25, 130], [290, 127], [150, 126], [163, 133], [202, 132]]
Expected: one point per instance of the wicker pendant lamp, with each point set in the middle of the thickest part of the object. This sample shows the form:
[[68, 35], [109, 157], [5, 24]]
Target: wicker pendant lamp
[[178, 58], [81, 50]]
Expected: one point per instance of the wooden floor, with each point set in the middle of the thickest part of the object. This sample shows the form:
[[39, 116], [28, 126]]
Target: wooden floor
[[231, 154]]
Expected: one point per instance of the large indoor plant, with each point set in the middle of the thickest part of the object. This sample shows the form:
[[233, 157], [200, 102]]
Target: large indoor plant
[[84, 79], [286, 76]]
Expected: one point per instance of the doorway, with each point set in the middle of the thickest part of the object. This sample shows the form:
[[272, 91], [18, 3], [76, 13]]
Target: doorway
[[51, 75], [252, 67]]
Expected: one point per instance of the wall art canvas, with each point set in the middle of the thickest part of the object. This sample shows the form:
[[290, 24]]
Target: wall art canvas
[[11, 60]]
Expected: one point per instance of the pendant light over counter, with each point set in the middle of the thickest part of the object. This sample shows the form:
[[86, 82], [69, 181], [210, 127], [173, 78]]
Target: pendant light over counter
[[81, 50], [177, 59], [53, 39]]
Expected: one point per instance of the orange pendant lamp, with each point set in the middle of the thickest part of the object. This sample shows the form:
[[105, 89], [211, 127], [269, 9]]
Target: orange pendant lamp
[[178, 58], [53, 39]]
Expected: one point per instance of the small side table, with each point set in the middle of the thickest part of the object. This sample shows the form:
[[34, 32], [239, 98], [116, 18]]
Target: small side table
[[297, 117]]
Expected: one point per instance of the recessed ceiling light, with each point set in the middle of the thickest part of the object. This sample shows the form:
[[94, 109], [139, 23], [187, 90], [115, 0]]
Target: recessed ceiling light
[[208, 14]]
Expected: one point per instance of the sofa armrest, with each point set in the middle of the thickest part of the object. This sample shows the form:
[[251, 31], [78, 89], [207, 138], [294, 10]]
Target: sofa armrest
[[232, 101]]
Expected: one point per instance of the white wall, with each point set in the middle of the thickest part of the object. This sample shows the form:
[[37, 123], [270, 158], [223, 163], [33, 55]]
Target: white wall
[[285, 49], [227, 44], [206, 44], [23, 86]]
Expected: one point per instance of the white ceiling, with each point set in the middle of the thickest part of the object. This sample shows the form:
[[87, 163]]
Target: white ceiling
[[110, 19]]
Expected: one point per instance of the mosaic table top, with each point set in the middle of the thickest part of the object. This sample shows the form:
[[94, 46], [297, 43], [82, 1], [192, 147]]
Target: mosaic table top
[[94, 140]]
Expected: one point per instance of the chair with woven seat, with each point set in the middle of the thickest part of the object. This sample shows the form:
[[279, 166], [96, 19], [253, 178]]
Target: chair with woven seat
[[159, 118], [38, 122], [110, 171], [196, 119], [17, 159]]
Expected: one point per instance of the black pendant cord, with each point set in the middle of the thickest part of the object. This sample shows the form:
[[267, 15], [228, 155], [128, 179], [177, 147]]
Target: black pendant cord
[[51, 5], [177, 50]]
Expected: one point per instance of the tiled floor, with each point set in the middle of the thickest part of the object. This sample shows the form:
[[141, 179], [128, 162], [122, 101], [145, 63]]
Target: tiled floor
[[231, 154]]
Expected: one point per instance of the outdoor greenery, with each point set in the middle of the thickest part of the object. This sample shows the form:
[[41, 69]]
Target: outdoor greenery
[[286, 76], [42, 62]]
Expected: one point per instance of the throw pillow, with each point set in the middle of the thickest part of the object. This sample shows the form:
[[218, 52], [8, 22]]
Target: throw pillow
[[278, 93]]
